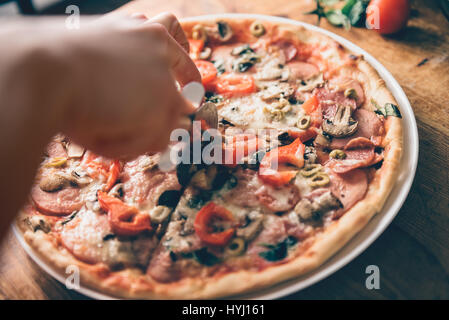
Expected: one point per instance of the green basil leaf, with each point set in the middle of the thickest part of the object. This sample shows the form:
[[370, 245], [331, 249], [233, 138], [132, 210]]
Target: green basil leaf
[[337, 18], [358, 12], [392, 110], [388, 109], [348, 7]]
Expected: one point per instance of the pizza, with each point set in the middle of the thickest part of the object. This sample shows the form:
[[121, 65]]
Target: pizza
[[310, 142]]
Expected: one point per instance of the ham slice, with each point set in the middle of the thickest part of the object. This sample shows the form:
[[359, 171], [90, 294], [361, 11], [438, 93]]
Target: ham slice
[[243, 195], [359, 153], [56, 149], [330, 100], [162, 268], [85, 236], [140, 185], [302, 70], [288, 48], [273, 232], [349, 187], [370, 126], [58, 203], [343, 83]]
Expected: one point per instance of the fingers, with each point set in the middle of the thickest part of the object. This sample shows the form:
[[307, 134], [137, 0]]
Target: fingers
[[171, 23], [178, 59]]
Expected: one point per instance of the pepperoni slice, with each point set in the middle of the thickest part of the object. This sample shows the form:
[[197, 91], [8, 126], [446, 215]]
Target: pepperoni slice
[[59, 203], [359, 153], [88, 237], [141, 185], [278, 199], [344, 83], [330, 100]]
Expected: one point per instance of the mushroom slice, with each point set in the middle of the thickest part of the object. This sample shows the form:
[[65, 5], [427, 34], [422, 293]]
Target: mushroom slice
[[341, 125], [53, 182], [74, 150]]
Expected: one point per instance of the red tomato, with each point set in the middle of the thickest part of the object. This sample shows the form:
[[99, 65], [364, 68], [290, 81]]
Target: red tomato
[[207, 70], [232, 84], [387, 16]]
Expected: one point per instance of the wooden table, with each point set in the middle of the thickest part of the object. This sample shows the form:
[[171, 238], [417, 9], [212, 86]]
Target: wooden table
[[413, 253]]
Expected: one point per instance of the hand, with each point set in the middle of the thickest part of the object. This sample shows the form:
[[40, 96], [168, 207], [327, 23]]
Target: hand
[[123, 99]]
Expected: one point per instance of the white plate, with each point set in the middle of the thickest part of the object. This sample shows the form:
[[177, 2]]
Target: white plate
[[371, 231]]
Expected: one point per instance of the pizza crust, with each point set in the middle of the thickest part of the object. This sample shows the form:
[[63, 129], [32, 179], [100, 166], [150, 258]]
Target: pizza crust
[[132, 284]]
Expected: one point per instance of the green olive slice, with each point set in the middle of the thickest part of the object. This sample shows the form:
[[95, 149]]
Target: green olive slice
[[257, 29]]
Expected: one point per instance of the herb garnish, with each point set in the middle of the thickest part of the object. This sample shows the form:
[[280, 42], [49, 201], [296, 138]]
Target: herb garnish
[[388, 109], [351, 14]]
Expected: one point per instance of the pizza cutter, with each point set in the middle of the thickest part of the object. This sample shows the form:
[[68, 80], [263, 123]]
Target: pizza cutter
[[194, 93]]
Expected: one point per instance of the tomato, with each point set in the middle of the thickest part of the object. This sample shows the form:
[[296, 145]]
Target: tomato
[[123, 219], [207, 70], [387, 16], [291, 154], [232, 84], [203, 227]]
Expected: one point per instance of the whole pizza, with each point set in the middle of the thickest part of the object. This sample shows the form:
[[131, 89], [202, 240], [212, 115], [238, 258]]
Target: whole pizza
[[311, 140]]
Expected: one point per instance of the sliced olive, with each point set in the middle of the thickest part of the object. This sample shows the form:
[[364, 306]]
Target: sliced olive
[[350, 93], [320, 179], [169, 198], [235, 247], [257, 29], [304, 122], [310, 170], [56, 162], [337, 154], [224, 31]]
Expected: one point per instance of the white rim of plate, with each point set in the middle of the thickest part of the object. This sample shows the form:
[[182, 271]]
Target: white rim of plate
[[359, 242]]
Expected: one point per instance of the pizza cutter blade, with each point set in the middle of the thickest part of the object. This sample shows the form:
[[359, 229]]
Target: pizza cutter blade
[[194, 93]]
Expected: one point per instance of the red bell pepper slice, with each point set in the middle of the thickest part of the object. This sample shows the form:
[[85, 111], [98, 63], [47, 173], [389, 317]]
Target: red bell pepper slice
[[203, 227], [195, 46], [124, 220], [114, 172], [291, 154], [313, 109]]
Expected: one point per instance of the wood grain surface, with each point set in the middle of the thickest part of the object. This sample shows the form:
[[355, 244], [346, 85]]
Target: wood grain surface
[[413, 253]]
